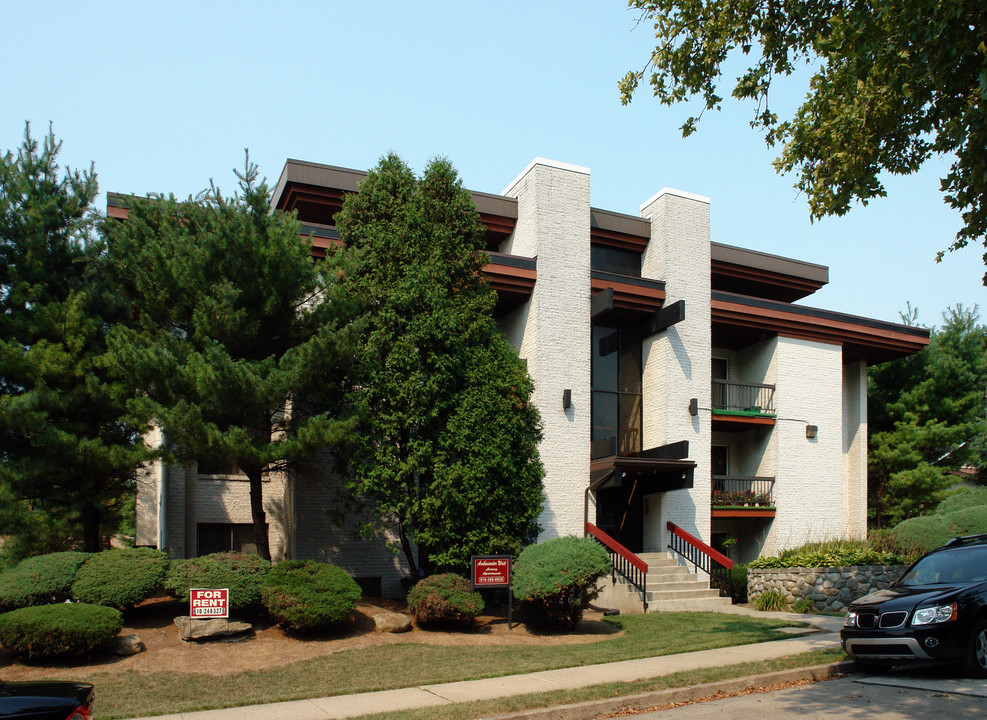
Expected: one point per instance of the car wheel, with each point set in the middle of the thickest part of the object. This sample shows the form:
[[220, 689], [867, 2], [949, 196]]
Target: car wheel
[[975, 659]]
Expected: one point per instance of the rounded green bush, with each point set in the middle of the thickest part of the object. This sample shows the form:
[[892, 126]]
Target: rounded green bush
[[121, 577], [771, 600], [62, 629], [555, 580], [308, 596], [243, 574], [445, 599], [39, 580], [923, 533], [967, 521], [962, 499]]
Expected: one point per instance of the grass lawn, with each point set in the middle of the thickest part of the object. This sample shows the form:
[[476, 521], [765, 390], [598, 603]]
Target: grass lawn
[[130, 694]]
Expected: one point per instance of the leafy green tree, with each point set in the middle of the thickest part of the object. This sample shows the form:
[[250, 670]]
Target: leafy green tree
[[894, 83], [447, 450], [926, 418], [67, 452], [240, 341]]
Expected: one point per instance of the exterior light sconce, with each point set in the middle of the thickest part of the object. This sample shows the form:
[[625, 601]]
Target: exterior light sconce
[[566, 399], [694, 407], [811, 431]]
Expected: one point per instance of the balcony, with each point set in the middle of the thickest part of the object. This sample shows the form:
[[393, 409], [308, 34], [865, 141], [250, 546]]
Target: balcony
[[739, 406], [742, 496]]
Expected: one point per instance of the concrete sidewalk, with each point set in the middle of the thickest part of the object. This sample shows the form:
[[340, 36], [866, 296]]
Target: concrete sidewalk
[[344, 706]]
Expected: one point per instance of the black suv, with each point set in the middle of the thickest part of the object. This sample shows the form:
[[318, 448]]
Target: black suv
[[936, 611], [50, 700]]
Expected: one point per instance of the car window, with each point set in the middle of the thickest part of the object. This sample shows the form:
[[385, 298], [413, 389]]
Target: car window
[[958, 566]]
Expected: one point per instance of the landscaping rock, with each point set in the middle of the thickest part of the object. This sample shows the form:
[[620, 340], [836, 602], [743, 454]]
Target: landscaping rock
[[215, 628], [391, 622], [126, 645]]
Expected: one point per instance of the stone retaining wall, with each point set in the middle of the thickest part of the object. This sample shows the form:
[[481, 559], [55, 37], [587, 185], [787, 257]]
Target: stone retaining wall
[[832, 589]]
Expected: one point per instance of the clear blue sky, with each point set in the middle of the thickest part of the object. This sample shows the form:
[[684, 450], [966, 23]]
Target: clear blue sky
[[162, 97]]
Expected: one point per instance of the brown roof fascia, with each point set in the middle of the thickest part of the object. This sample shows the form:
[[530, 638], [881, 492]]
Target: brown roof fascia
[[754, 260], [885, 340], [626, 232], [640, 296]]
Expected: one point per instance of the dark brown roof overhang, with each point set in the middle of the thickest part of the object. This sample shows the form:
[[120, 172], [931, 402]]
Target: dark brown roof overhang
[[627, 232], [752, 272], [862, 338]]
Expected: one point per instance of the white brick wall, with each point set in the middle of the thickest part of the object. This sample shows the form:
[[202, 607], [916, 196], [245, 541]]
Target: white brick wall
[[677, 361], [855, 448], [809, 486], [554, 225]]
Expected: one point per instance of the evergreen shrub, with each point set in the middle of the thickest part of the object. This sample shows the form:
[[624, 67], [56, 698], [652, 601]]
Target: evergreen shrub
[[738, 579], [924, 533], [555, 580], [120, 577], [308, 596], [39, 580], [771, 600], [962, 499], [242, 573], [830, 553], [445, 599], [64, 629]]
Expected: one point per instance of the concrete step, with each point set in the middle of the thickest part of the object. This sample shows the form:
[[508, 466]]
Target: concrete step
[[713, 604], [698, 594]]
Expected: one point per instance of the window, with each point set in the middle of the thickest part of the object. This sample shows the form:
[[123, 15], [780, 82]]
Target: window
[[616, 371], [615, 260], [225, 537], [720, 369], [719, 460]]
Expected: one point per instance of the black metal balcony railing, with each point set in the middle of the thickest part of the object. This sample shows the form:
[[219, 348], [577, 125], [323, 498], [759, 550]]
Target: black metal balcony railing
[[746, 398], [742, 491]]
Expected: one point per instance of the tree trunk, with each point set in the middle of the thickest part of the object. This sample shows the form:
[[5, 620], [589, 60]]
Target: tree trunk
[[257, 514], [90, 528], [408, 552]]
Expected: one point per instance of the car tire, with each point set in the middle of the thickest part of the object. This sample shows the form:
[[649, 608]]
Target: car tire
[[975, 657]]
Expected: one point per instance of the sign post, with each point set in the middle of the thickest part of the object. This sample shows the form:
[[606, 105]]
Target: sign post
[[209, 603], [493, 571]]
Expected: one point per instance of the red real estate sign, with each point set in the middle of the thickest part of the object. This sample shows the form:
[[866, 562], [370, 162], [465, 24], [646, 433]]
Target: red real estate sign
[[209, 603], [491, 571]]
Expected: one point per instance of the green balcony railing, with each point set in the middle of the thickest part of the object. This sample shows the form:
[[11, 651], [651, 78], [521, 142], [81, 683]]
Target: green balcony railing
[[743, 398]]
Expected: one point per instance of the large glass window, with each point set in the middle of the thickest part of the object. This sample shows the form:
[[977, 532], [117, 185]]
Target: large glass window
[[225, 537], [616, 373], [615, 260]]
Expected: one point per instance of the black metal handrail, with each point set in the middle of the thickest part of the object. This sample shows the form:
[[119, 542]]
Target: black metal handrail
[[740, 490], [743, 397], [623, 562], [712, 562]]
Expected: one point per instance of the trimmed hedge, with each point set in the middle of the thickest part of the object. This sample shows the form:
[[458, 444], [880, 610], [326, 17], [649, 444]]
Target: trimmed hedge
[[242, 573], [555, 580], [308, 596], [121, 577], [56, 630], [445, 599], [39, 580]]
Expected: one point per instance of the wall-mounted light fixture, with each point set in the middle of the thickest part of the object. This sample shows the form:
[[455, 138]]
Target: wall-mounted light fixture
[[566, 399], [694, 407], [811, 431]]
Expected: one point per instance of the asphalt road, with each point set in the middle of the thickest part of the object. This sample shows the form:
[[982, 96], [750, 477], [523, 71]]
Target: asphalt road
[[932, 694]]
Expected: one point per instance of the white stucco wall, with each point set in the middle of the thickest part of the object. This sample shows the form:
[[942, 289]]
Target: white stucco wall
[[554, 328], [677, 361]]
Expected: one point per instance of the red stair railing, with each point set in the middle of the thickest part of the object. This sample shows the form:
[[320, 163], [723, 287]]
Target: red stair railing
[[703, 557], [623, 562]]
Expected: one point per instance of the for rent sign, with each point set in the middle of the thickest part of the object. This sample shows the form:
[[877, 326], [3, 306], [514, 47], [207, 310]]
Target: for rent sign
[[491, 571], [209, 603]]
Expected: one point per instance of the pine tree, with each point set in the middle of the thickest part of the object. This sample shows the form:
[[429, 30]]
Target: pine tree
[[241, 341], [65, 444], [447, 449], [927, 418]]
